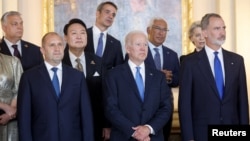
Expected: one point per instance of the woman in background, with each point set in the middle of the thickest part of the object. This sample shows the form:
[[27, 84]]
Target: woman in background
[[196, 37], [10, 73]]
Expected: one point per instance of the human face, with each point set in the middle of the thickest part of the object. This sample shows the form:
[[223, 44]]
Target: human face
[[76, 36], [137, 49], [215, 33], [158, 32], [105, 17], [13, 28], [197, 38], [53, 49]]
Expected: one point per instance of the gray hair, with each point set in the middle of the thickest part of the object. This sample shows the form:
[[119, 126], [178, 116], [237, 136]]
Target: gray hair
[[151, 22], [129, 36], [205, 19], [7, 14]]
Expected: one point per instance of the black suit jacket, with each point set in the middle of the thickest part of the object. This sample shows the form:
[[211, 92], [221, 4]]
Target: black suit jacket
[[94, 73], [31, 54], [112, 55], [182, 57]]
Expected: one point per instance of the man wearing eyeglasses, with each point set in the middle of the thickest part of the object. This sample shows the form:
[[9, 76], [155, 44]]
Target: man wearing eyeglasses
[[162, 58]]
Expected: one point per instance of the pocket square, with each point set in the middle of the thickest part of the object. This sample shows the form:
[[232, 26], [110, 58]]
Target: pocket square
[[96, 74], [92, 62]]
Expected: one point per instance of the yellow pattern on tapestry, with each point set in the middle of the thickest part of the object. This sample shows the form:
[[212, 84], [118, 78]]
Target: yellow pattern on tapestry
[[48, 16]]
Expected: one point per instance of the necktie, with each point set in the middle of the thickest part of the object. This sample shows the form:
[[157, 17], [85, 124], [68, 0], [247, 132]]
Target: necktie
[[157, 59], [139, 82], [218, 75], [55, 81], [16, 52], [79, 64], [100, 46]]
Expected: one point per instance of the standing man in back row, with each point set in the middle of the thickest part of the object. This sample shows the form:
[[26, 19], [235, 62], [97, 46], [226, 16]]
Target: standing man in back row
[[100, 42], [162, 58], [12, 43]]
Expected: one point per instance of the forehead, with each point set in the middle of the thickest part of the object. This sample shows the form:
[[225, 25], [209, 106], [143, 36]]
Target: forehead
[[161, 23], [109, 7], [77, 26], [215, 21], [53, 38]]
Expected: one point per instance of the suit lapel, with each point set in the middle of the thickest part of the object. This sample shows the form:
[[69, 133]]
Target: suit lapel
[[45, 75], [206, 70], [128, 76], [90, 67], [148, 81]]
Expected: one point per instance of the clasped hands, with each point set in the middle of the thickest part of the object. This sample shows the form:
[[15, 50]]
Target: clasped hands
[[10, 113], [141, 133]]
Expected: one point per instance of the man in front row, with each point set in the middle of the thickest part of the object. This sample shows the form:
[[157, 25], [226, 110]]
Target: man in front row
[[53, 101], [137, 97]]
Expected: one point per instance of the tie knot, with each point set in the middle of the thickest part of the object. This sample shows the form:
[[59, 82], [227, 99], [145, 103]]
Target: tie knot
[[14, 46], [78, 60], [101, 34], [54, 69], [138, 69], [156, 50], [216, 53]]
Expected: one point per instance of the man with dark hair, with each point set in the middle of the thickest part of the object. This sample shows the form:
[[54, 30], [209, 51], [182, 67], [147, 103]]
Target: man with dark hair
[[75, 35], [102, 43]]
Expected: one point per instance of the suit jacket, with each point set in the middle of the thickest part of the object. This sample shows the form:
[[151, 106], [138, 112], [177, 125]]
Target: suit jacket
[[42, 116], [170, 62], [94, 73], [199, 102], [182, 58], [123, 105], [112, 55], [31, 54]]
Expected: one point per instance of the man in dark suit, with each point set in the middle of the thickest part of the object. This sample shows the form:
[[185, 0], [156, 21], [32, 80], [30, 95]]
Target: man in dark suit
[[111, 52], [53, 101], [168, 61], [76, 38], [203, 100], [137, 111], [28, 53]]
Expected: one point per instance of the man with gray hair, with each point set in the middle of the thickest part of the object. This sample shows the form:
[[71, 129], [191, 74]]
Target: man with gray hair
[[12, 43]]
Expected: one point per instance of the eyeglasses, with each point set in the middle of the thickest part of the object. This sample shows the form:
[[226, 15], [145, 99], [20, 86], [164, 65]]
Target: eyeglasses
[[157, 28]]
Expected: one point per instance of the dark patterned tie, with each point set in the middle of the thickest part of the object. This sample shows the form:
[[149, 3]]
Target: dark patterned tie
[[79, 64], [16, 52], [218, 75], [100, 46]]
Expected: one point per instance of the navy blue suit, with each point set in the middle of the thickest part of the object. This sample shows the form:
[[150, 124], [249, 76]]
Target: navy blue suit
[[123, 105], [199, 101], [42, 116], [94, 83], [170, 62], [112, 55], [31, 54]]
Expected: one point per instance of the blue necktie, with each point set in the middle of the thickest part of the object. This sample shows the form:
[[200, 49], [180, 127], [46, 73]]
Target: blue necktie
[[139, 82], [55, 81], [218, 75], [100, 46], [157, 59]]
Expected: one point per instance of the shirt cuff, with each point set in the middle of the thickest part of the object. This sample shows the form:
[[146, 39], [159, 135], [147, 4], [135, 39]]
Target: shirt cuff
[[151, 129]]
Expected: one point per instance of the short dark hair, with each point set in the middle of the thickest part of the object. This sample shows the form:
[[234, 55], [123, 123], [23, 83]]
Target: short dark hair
[[205, 19], [100, 6], [73, 21]]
